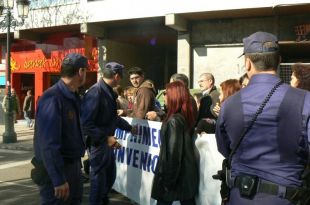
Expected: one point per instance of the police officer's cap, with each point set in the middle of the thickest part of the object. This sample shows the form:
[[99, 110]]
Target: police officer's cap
[[260, 42], [76, 60], [115, 67]]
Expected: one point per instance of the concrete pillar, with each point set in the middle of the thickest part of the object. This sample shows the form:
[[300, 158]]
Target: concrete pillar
[[184, 55], [180, 24], [176, 22], [102, 58], [92, 29]]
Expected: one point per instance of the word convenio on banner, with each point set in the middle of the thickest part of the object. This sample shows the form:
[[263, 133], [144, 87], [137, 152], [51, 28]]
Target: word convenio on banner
[[146, 135], [142, 149]]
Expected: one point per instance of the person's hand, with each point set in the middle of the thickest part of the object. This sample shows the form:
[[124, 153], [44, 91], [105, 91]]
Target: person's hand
[[121, 112], [117, 145], [62, 191], [217, 109], [151, 115], [112, 142]]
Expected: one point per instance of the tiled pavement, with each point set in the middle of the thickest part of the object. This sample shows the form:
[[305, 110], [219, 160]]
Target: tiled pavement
[[25, 142], [24, 137]]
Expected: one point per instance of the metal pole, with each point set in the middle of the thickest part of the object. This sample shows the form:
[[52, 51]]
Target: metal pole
[[9, 135]]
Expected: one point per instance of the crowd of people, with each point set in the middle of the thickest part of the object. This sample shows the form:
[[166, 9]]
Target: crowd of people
[[262, 128]]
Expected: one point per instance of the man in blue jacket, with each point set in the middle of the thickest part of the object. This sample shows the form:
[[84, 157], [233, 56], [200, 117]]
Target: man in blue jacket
[[100, 119], [267, 166], [58, 141]]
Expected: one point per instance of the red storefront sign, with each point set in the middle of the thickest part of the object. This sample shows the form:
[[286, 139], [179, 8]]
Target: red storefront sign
[[35, 60]]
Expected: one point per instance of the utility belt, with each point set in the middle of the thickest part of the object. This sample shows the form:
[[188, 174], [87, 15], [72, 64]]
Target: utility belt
[[39, 174], [250, 185]]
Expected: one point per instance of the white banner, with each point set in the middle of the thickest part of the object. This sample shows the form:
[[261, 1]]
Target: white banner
[[137, 159], [210, 161]]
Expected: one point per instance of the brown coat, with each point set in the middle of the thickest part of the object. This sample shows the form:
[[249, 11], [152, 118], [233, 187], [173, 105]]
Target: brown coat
[[144, 100]]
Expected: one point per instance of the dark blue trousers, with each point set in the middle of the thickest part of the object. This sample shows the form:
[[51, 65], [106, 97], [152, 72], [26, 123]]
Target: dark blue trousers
[[259, 199], [101, 182], [73, 176]]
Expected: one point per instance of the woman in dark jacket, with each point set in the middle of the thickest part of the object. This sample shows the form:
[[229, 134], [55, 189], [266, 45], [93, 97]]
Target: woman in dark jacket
[[176, 175]]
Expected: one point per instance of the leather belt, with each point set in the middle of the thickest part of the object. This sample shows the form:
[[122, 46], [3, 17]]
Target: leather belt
[[270, 188]]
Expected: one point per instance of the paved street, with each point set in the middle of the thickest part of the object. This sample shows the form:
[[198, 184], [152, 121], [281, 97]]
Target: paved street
[[16, 186]]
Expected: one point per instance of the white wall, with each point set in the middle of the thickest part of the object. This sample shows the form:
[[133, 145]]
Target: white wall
[[126, 9], [222, 62], [109, 10]]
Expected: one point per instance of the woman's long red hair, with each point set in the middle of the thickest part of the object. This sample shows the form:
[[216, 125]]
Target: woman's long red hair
[[178, 100], [229, 87]]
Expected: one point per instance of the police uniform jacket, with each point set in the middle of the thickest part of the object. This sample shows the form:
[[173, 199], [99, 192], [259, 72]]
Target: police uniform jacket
[[99, 118], [176, 174], [99, 113], [268, 150], [58, 134]]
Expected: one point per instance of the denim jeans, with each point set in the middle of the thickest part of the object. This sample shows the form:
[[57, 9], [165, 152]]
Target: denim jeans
[[27, 118]]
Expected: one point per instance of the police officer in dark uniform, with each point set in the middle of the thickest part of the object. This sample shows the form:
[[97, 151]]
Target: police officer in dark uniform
[[267, 166], [58, 141], [100, 119]]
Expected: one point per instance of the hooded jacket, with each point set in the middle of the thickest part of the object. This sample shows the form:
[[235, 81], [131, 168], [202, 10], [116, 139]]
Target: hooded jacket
[[144, 100]]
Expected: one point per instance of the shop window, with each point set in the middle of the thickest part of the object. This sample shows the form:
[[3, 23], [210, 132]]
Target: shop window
[[2, 81]]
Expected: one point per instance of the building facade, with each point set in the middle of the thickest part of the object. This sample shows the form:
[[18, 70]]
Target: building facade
[[162, 37]]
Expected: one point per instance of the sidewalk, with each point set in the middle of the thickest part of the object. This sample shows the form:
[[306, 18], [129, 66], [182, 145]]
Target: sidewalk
[[25, 142], [24, 137]]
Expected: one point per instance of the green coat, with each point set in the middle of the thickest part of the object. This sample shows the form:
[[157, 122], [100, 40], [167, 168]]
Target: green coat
[[15, 104]]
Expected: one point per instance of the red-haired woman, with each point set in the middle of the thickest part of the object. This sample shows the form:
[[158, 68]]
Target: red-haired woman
[[176, 175], [228, 88]]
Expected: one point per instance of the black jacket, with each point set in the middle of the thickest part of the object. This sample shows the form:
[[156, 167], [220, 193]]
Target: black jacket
[[176, 174], [205, 108]]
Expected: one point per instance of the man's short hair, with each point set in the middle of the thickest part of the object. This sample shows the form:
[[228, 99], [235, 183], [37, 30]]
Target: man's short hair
[[72, 63], [265, 61], [180, 76], [135, 70]]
